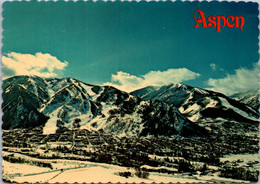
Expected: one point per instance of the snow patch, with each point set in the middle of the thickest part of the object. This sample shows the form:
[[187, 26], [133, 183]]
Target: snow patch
[[212, 102], [50, 126]]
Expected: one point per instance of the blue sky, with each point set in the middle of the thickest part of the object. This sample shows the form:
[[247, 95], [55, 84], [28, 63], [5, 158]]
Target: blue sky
[[130, 45]]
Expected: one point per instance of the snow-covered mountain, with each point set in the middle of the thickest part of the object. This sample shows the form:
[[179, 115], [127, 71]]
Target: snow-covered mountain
[[207, 108], [60, 104], [250, 97], [144, 91], [175, 94]]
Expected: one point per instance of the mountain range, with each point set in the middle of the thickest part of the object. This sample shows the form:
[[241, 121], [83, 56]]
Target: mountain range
[[172, 110]]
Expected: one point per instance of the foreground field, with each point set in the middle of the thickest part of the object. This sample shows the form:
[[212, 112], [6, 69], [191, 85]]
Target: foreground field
[[85, 171], [84, 156]]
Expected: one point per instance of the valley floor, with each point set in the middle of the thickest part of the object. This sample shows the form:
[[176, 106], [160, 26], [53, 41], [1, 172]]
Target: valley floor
[[83, 156]]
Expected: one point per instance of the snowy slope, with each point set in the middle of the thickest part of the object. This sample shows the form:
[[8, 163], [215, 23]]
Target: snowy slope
[[250, 97], [143, 91], [175, 94]]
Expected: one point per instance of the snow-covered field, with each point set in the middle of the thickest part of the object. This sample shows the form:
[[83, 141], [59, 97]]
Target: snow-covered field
[[242, 157], [89, 172], [84, 171]]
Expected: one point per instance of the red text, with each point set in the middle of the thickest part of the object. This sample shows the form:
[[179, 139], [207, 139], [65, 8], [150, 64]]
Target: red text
[[218, 21]]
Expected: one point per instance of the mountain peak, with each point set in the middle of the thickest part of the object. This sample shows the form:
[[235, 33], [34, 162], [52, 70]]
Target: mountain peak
[[201, 106]]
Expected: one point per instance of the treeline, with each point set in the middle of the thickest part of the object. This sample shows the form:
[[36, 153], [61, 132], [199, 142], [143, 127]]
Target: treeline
[[140, 173], [240, 173], [20, 160]]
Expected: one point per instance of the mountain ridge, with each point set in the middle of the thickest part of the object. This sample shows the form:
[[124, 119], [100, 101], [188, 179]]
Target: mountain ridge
[[204, 106]]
